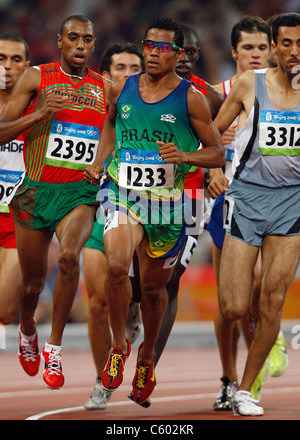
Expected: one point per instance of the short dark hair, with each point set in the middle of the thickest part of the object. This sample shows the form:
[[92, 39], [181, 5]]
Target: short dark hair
[[168, 24], [12, 36], [250, 25], [119, 47], [80, 18], [186, 28], [290, 19]]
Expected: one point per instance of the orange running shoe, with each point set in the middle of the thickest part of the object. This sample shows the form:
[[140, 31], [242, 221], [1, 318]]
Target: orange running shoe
[[29, 356], [53, 375], [143, 382], [112, 375]]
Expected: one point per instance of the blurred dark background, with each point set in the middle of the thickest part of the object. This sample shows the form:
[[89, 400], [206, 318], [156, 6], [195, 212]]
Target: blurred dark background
[[38, 21]]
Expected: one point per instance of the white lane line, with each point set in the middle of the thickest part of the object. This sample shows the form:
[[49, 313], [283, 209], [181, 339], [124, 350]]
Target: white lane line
[[286, 390]]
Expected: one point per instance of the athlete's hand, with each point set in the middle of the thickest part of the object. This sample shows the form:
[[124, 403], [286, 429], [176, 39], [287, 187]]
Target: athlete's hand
[[170, 153], [93, 174], [229, 134], [218, 183], [53, 104]]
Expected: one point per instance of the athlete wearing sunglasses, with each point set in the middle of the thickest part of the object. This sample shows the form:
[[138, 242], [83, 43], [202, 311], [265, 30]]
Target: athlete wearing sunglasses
[[155, 122], [162, 46]]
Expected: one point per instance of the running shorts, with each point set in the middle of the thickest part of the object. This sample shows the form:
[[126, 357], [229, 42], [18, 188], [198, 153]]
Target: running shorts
[[39, 205], [96, 239], [252, 212], [7, 231], [215, 224], [166, 225]]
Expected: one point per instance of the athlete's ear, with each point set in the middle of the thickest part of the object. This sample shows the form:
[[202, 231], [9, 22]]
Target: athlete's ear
[[234, 53], [59, 41], [106, 74]]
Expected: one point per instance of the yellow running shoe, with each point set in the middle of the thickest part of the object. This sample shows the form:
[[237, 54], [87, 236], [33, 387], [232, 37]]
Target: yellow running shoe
[[261, 377], [278, 356]]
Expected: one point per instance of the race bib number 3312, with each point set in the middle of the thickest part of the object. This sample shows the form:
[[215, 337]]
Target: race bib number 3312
[[72, 145], [279, 133]]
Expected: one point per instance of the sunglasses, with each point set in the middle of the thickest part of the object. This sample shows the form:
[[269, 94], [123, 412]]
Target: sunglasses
[[162, 46]]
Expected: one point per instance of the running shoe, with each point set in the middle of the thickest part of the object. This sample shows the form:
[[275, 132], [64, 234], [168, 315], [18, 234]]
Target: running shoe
[[225, 395], [261, 377], [145, 404], [28, 352], [53, 374], [278, 357], [244, 405], [112, 375], [98, 398], [143, 382], [133, 322]]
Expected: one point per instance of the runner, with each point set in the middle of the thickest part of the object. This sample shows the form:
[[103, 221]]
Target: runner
[[265, 188], [64, 109], [151, 136], [14, 61]]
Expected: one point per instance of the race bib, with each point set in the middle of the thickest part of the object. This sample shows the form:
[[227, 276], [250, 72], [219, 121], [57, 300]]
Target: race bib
[[145, 170], [8, 180], [72, 145], [279, 133]]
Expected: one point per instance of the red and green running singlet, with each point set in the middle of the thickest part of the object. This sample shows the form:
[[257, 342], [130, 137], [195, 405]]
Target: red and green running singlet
[[57, 150]]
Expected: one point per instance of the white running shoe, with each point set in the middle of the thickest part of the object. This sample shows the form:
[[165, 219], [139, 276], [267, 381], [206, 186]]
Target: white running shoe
[[243, 405], [98, 398], [133, 322]]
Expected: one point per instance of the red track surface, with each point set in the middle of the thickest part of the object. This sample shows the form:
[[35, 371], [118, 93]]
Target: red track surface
[[188, 382]]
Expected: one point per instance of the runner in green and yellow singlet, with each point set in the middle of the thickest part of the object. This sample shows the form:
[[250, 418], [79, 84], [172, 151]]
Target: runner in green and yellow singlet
[[155, 122]]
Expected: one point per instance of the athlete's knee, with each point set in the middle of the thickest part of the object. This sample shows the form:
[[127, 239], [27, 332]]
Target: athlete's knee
[[98, 308], [33, 287], [117, 272], [232, 310], [68, 261]]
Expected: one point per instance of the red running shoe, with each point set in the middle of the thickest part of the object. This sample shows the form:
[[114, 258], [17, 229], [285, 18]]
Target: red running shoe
[[143, 383], [29, 356], [53, 375], [112, 375]]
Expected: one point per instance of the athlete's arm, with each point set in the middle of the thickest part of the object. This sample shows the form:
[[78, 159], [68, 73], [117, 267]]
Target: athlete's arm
[[212, 155], [25, 90], [240, 98], [215, 99], [93, 173]]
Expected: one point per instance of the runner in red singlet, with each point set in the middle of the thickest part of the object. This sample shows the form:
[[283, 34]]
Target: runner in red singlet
[[64, 109], [13, 61]]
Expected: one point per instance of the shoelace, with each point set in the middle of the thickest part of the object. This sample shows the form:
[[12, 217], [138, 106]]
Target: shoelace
[[114, 364], [54, 362], [28, 350], [141, 377]]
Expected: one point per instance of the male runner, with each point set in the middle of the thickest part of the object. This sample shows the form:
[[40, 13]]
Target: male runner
[[250, 41], [119, 62], [263, 202], [13, 62], [64, 109], [155, 122]]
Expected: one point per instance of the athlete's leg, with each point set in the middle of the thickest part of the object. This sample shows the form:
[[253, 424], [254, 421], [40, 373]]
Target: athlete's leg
[[280, 257], [94, 267], [154, 278], [120, 243], [10, 285], [72, 233], [33, 249], [172, 287]]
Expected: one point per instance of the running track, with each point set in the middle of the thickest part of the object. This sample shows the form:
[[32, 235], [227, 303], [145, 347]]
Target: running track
[[188, 381]]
